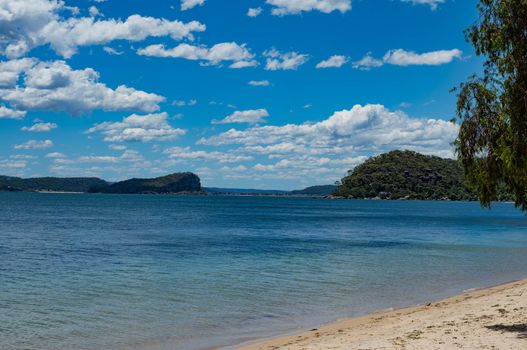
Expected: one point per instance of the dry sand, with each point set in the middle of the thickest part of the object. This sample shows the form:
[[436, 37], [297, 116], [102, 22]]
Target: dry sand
[[491, 318]]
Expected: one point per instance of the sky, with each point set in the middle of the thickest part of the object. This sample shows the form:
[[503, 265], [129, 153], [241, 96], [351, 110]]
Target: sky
[[271, 94]]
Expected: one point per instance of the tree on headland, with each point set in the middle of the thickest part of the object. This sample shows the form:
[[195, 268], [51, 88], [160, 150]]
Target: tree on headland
[[492, 108]]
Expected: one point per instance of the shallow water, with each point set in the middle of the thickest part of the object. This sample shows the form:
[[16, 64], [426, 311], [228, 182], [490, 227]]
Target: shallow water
[[168, 272]]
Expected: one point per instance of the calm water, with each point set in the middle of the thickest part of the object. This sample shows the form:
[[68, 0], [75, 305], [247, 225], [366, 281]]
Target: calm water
[[161, 272]]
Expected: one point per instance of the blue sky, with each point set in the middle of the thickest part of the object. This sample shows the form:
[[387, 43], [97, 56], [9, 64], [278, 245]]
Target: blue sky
[[257, 93]]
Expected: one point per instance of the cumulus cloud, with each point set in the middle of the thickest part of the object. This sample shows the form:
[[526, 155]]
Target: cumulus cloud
[[34, 144], [8, 113], [432, 3], [292, 7], [186, 153], [277, 60], [40, 127], [27, 24], [254, 12], [55, 86], [10, 71], [400, 57], [240, 55], [369, 128], [142, 128], [335, 61], [259, 83], [188, 4], [252, 116]]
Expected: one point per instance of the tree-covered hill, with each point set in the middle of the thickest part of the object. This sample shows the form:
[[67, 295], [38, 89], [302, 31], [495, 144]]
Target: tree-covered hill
[[406, 174], [173, 183], [73, 184]]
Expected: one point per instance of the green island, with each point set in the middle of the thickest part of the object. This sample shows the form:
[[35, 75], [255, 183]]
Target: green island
[[170, 184], [52, 184], [408, 175]]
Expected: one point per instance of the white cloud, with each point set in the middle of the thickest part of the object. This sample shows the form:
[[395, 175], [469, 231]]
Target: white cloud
[[288, 7], [55, 86], [117, 147], [143, 128], [8, 113], [244, 64], [40, 127], [182, 103], [284, 61], [55, 155], [129, 156], [34, 144], [432, 3], [400, 57], [369, 128], [94, 11], [186, 153], [236, 169], [10, 71], [229, 51], [188, 4], [252, 116], [335, 61], [112, 51], [254, 12], [367, 62], [259, 83], [304, 164], [12, 165], [27, 24]]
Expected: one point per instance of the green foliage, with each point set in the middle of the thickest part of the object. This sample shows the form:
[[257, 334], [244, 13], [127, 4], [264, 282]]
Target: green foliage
[[75, 184], [492, 109], [174, 183], [406, 174]]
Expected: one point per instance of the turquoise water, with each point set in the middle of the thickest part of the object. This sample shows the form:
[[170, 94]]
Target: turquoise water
[[163, 272]]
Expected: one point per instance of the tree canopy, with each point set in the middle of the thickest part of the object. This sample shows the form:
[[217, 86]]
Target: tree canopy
[[406, 174], [492, 108]]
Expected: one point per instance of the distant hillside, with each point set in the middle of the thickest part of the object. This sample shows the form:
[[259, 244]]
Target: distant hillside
[[324, 190], [242, 191], [74, 184], [174, 183], [406, 174]]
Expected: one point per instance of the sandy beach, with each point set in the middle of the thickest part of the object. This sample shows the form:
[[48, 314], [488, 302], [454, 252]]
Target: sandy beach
[[490, 318]]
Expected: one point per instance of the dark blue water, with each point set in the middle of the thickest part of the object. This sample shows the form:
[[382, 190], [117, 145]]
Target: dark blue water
[[162, 272]]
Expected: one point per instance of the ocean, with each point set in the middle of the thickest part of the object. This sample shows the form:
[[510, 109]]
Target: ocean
[[88, 272]]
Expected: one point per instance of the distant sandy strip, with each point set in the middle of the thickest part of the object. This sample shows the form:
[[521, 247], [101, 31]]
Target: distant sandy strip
[[491, 318]]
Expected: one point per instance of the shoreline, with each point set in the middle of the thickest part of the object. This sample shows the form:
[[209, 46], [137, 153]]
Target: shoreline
[[492, 317]]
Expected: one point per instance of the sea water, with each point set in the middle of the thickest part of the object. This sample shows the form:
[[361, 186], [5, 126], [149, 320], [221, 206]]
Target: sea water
[[182, 272]]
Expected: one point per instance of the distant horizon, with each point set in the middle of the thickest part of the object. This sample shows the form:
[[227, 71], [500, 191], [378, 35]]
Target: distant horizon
[[247, 188]]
